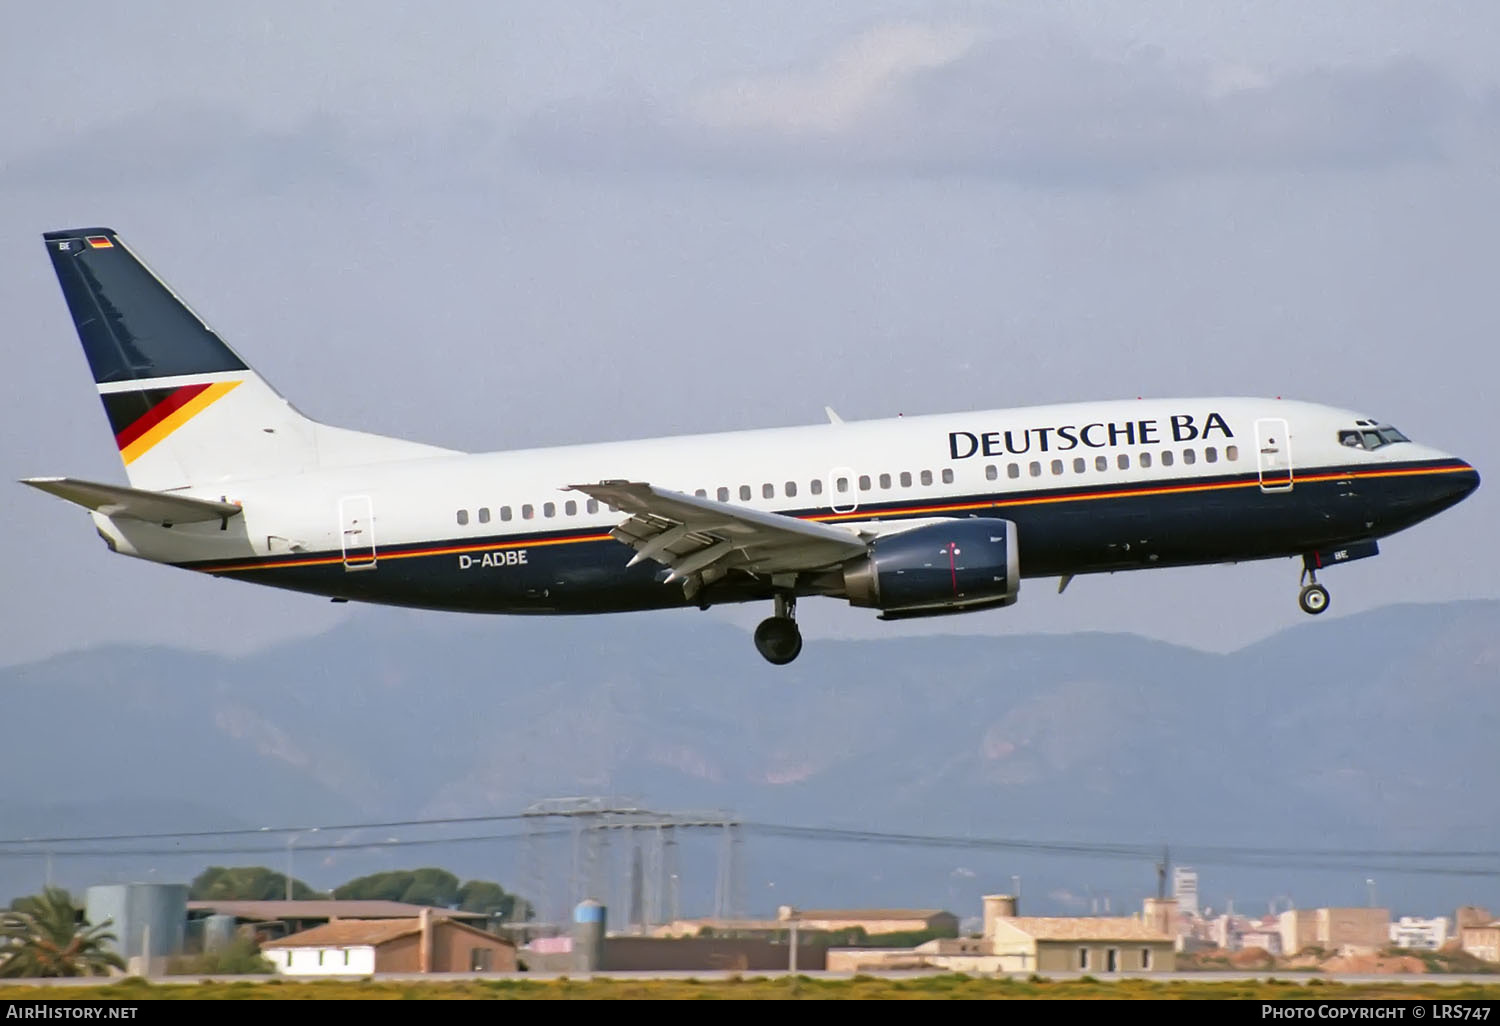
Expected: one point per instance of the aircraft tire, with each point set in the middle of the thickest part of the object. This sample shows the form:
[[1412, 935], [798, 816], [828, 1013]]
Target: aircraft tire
[[1314, 599], [778, 640]]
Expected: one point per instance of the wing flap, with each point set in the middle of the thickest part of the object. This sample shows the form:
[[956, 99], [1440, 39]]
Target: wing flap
[[118, 501], [693, 535]]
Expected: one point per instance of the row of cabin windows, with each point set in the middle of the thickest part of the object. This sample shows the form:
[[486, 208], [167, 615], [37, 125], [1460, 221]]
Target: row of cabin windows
[[528, 511], [767, 491], [841, 484], [885, 481], [1122, 461]]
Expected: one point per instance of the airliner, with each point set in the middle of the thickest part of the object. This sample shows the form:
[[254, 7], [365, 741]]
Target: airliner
[[908, 516]]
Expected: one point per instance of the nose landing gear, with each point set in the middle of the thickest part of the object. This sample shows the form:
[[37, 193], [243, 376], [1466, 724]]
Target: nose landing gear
[[777, 639], [1314, 597]]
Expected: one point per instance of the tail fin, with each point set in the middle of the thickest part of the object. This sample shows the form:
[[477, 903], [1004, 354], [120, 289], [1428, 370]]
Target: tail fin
[[184, 407]]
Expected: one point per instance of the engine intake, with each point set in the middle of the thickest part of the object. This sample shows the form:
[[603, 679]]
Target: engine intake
[[951, 567]]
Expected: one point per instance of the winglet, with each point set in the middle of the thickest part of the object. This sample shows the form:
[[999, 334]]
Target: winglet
[[833, 418]]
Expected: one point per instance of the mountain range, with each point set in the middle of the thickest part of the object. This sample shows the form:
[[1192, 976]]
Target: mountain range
[[1263, 768]]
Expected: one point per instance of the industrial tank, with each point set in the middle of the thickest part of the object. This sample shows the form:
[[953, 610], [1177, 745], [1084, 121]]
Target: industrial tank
[[146, 918], [588, 936]]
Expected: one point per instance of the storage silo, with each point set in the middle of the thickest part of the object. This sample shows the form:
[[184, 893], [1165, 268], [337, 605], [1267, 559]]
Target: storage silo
[[147, 919], [218, 932], [588, 936]]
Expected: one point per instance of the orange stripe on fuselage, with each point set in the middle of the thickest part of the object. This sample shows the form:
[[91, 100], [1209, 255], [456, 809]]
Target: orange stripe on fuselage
[[174, 420]]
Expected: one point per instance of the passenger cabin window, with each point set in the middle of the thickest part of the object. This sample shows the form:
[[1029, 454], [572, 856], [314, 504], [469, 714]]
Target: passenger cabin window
[[842, 484], [1166, 457], [1057, 467], [1189, 456], [947, 475], [1035, 468], [1101, 462], [885, 480], [505, 510], [1145, 459], [723, 494], [864, 482], [1210, 455], [927, 477], [527, 512], [1013, 471], [463, 517], [905, 479], [791, 489], [1080, 464], [745, 493], [571, 508], [768, 491], [816, 486], [1232, 453], [1123, 461], [991, 472], [549, 509], [484, 514]]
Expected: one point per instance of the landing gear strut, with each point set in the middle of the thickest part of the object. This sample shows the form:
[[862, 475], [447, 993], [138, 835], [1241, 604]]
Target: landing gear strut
[[1314, 597], [777, 639]]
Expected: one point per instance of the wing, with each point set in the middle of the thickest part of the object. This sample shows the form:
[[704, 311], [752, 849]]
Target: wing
[[695, 536]]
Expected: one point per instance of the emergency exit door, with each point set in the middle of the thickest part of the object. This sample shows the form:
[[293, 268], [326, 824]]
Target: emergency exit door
[[357, 527], [1273, 454]]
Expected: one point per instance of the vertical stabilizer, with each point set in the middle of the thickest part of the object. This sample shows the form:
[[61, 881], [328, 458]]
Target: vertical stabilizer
[[185, 409]]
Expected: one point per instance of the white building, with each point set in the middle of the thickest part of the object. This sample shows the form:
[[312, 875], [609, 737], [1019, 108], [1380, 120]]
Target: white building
[[1185, 890], [1422, 934]]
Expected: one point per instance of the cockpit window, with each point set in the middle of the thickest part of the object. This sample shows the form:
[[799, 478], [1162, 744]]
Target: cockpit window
[[1372, 437]]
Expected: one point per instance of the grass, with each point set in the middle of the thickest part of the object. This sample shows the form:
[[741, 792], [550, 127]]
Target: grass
[[940, 987]]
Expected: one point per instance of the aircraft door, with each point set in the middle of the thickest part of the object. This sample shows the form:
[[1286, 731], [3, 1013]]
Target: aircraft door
[[843, 490], [357, 531], [1273, 449]]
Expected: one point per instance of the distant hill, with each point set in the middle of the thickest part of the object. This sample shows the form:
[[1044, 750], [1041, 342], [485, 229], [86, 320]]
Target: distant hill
[[1373, 731]]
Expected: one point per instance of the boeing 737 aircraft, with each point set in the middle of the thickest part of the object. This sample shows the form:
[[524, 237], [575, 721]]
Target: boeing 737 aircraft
[[910, 516]]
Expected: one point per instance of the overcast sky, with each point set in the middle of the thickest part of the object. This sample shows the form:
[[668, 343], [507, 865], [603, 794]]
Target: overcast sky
[[485, 226]]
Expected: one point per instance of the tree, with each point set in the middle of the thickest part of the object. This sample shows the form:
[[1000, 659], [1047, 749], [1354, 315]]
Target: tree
[[492, 899], [246, 883], [429, 886], [46, 935]]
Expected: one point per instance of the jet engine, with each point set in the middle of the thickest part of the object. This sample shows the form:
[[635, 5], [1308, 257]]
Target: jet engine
[[951, 567]]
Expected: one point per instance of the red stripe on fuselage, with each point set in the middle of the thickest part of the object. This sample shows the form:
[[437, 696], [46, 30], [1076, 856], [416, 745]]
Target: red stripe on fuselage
[[174, 401]]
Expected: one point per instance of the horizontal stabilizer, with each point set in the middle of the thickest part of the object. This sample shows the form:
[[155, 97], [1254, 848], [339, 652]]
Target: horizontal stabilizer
[[117, 501]]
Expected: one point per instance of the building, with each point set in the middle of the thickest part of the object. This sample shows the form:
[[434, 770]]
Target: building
[[360, 947], [1011, 943], [1090, 944], [1185, 890], [271, 920], [1420, 934], [1481, 940], [826, 920], [1364, 930]]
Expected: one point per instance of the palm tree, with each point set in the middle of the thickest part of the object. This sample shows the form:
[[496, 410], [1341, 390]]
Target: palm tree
[[43, 936]]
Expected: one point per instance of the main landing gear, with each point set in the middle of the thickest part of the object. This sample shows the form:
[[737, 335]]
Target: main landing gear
[[1314, 597], [777, 639]]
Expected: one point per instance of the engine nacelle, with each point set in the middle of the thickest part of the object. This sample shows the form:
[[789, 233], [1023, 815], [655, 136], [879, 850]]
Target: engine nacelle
[[951, 567]]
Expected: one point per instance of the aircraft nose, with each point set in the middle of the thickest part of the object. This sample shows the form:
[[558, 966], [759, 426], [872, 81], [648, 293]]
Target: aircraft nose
[[1467, 480]]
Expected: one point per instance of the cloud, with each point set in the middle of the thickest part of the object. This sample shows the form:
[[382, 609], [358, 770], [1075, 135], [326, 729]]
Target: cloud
[[906, 100], [840, 93]]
